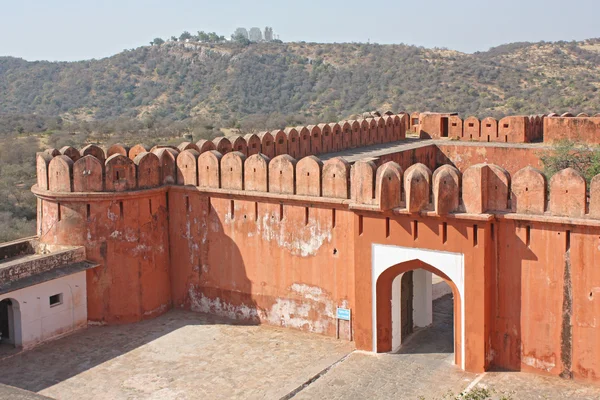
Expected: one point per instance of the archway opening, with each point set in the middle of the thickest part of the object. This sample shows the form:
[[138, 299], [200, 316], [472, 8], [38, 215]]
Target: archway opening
[[10, 325], [422, 314], [410, 319]]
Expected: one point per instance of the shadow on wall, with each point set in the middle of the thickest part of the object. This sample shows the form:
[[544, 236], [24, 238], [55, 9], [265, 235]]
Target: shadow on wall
[[513, 264], [208, 272]]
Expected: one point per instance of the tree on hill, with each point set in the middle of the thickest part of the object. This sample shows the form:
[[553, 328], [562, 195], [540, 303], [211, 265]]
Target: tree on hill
[[203, 36], [157, 42], [185, 36], [240, 39], [214, 38]]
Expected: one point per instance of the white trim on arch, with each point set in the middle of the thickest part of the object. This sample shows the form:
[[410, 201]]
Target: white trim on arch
[[451, 264]]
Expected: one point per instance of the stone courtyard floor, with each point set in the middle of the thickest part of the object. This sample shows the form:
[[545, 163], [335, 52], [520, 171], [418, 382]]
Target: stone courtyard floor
[[185, 355]]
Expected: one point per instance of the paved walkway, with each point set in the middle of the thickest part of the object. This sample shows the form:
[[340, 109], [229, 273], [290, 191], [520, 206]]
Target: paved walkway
[[180, 355], [519, 385], [185, 355], [423, 368]]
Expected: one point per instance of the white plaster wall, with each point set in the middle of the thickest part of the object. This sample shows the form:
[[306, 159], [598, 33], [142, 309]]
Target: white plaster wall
[[422, 301], [38, 321], [451, 264], [422, 304], [440, 288]]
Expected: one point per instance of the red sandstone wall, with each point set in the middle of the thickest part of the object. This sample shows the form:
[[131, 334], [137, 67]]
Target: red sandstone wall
[[259, 242], [581, 129], [426, 155], [510, 158], [258, 265], [460, 240], [128, 236], [546, 313]]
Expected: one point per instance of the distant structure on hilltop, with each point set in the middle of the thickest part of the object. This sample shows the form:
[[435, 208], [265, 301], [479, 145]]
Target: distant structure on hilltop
[[255, 34], [241, 32], [268, 34]]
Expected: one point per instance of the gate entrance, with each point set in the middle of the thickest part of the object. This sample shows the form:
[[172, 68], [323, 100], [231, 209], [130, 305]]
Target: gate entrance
[[390, 264]]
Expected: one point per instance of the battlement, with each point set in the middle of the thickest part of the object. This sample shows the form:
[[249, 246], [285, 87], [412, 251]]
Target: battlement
[[313, 140], [512, 129], [482, 188]]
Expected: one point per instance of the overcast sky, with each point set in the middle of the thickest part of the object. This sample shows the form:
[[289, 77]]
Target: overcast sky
[[85, 29]]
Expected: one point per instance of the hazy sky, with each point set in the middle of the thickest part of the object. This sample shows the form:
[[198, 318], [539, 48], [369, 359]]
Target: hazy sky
[[84, 29]]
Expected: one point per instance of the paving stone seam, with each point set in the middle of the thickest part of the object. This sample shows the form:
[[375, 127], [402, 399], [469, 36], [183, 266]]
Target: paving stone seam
[[315, 378]]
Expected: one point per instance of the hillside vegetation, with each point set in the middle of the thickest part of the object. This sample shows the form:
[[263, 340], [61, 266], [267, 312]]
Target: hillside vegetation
[[229, 85], [158, 93]]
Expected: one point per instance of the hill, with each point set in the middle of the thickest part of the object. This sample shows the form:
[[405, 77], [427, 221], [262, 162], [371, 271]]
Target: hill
[[156, 93], [229, 85]]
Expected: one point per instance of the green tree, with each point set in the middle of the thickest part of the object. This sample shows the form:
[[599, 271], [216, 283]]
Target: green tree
[[157, 42], [184, 36], [203, 36], [566, 154], [240, 39]]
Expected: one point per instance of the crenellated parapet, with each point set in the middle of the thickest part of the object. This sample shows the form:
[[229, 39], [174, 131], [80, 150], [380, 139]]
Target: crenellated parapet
[[511, 129], [480, 189], [318, 139]]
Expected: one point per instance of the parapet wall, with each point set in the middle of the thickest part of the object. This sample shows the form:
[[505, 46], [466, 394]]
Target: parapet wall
[[313, 140], [513, 129], [581, 129], [481, 188]]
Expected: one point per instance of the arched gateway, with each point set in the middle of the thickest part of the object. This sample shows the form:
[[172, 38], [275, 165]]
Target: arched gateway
[[388, 263]]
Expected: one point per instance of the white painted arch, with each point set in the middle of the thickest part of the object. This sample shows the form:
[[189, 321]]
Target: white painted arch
[[451, 264]]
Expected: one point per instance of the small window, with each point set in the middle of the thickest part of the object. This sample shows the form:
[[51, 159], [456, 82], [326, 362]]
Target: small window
[[454, 124], [488, 125], [471, 124], [506, 125], [56, 300]]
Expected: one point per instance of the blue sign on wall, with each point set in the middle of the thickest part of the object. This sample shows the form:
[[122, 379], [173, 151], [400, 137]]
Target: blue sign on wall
[[343, 313]]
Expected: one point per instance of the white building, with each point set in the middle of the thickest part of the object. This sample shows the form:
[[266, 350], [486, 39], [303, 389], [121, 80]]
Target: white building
[[42, 292]]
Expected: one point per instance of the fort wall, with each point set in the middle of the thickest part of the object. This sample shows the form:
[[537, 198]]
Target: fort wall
[[511, 129], [127, 233], [582, 129], [285, 240]]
